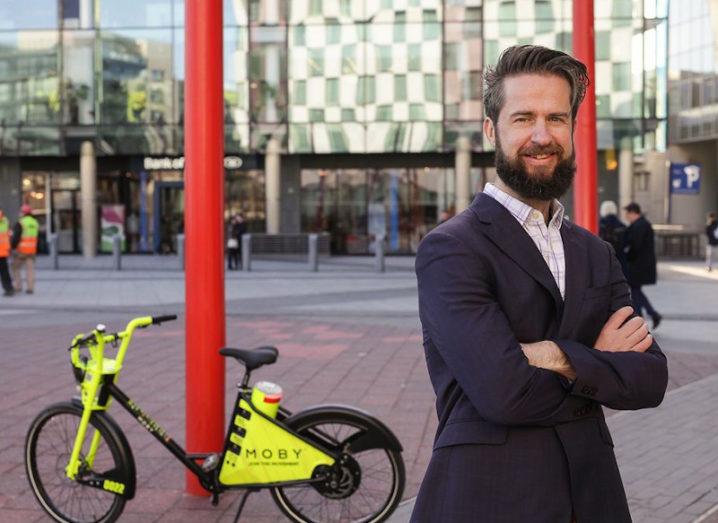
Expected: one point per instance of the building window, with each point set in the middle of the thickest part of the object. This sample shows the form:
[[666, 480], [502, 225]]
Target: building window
[[621, 76]]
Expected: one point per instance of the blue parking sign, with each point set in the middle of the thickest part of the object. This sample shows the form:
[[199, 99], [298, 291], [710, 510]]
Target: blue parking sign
[[685, 178]]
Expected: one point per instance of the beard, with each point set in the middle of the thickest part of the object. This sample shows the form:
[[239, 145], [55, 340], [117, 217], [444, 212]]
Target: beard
[[542, 185]]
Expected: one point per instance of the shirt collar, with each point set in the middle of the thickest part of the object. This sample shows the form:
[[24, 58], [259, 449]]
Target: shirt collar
[[523, 212]]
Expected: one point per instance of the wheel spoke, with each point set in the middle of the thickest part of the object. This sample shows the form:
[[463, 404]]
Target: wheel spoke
[[52, 438], [380, 480]]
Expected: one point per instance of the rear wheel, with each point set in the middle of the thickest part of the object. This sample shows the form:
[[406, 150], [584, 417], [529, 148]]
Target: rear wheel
[[48, 447], [364, 487]]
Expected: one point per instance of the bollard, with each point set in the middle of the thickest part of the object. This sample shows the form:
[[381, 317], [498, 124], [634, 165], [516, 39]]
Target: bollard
[[180, 251], [116, 252], [379, 265], [313, 258], [247, 252], [53, 252]]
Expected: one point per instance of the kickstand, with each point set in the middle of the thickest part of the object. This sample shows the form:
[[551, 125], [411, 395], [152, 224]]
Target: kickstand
[[242, 502]]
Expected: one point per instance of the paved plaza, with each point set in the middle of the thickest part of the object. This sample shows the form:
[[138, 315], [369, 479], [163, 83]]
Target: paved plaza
[[346, 335]]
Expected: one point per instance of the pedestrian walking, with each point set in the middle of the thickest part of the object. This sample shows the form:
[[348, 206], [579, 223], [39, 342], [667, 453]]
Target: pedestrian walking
[[237, 228], [712, 239], [24, 245], [611, 229], [8, 289], [521, 340], [639, 249]]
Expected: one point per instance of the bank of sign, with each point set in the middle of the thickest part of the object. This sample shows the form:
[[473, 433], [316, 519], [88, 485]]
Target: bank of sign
[[685, 178], [177, 164]]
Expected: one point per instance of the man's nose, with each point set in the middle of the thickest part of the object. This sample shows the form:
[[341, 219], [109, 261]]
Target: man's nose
[[540, 134]]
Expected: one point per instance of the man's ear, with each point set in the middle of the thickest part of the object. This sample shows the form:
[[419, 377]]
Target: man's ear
[[490, 130]]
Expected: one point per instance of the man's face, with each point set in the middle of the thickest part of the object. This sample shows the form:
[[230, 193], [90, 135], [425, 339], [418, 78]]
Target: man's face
[[534, 136]]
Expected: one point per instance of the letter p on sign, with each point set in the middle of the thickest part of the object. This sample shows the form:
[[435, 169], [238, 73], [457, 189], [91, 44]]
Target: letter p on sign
[[693, 174]]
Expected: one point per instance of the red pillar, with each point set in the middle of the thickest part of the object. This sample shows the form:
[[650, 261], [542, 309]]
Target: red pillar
[[585, 189], [204, 229]]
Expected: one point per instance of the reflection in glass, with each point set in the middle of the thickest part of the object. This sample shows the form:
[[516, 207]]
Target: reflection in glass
[[327, 84], [268, 12], [138, 139], [462, 73], [78, 77], [137, 77], [135, 13], [236, 88], [356, 205], [21, 14], [267, 74], [29, 84]]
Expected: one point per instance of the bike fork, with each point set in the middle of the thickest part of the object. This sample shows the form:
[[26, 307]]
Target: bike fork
[[73, 465]]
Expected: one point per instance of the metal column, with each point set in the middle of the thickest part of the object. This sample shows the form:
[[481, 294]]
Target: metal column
[[585, 189], [204, 230]]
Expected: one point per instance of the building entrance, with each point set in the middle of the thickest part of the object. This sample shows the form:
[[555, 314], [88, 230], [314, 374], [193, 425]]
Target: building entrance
[[356, 205]]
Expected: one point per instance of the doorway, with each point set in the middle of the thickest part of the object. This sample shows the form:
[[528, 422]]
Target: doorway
[[168, 216], [66, 220]]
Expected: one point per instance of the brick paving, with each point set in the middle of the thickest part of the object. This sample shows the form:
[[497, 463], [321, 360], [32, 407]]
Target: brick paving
[[343, 338], [379, 368]]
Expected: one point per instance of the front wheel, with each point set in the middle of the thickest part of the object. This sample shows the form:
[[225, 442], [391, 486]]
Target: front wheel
[[48, 447], [364, 486]]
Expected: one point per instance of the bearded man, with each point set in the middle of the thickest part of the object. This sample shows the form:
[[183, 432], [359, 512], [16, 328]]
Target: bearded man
[[527, 324]]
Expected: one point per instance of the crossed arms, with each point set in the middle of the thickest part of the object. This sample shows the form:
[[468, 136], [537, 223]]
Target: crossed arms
[[617, 335], [511, 384]]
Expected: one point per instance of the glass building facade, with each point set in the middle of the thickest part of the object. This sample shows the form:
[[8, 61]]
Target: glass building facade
[[367, 99], [693, 103]]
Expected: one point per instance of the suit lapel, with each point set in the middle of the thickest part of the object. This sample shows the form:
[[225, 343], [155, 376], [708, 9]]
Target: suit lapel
[[508, 235], [576, 257]]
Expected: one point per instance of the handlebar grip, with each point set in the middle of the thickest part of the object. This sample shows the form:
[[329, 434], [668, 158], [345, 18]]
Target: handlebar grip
[[82, 341], [156, 320]]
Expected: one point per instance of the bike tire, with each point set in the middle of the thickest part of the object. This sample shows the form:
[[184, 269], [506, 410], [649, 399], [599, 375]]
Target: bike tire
[[48, 446], [308, 503]]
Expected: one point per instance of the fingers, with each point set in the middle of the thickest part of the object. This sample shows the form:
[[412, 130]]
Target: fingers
[[618, 317], [644, 344], [638, 334], [633, 325]]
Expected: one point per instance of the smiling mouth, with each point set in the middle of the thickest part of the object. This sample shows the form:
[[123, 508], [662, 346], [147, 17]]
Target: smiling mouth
[[540, 157]]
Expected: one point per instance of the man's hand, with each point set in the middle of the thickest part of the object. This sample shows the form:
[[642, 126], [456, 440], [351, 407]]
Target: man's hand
[[547, 355], [617, 336]]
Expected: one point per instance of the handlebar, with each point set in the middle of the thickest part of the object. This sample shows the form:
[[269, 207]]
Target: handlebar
[[156, 320], [82, 341], [97, 339]]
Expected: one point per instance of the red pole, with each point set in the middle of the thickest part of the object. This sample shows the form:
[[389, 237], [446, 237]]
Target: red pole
[[585, 189], [204, 229]]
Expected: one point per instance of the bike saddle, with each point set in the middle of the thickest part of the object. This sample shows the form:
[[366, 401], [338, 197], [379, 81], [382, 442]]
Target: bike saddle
[[252, 359]]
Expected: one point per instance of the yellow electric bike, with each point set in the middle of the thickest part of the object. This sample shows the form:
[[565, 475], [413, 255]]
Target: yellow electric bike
[[328, 463]]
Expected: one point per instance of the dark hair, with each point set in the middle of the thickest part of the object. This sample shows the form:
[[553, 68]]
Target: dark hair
[[633, 207], [533, 59]]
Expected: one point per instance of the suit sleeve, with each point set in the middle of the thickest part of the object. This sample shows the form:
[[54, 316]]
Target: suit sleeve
[[472, 334], [619, 380]]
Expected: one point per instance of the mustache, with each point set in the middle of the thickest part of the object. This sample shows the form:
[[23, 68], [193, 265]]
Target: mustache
[[536, 150]]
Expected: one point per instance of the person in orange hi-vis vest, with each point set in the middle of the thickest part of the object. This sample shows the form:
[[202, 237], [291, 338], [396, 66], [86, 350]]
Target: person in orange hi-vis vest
[[24, 243], [4, 253]]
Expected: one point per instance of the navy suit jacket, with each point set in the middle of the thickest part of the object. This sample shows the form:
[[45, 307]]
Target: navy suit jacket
[[516, 442]]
